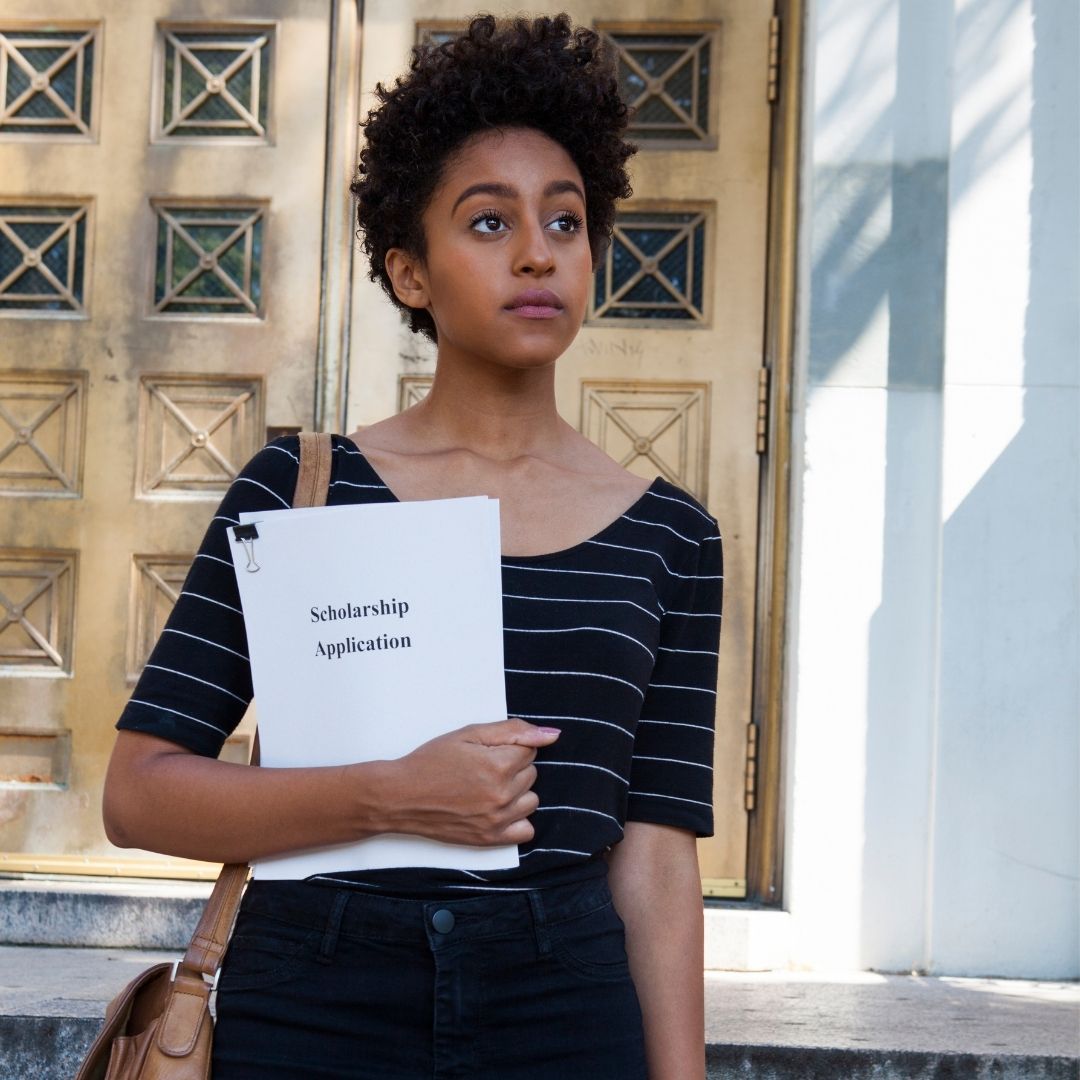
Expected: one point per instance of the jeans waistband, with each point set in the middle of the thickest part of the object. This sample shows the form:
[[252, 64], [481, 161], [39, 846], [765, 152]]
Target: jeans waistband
[[355, 913]]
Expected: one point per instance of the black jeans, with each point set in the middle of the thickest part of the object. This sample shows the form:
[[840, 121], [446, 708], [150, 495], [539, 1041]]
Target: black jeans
[[529, 985]]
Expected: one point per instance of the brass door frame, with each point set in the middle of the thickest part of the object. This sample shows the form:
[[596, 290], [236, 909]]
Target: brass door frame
[[765, 848]]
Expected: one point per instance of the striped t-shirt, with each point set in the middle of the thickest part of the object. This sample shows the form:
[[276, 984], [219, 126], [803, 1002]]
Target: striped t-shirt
[[613, 641]]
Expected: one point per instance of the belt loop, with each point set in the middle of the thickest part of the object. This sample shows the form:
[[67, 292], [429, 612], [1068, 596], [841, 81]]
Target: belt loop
[[333, 927], [543, 942]]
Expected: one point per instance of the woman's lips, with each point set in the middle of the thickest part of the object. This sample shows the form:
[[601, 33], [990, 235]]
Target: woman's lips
[[536, 304]]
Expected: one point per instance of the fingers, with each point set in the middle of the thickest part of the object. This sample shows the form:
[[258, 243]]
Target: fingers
[[513, 732], [521, 832], [524, 805], [507, 821], [518, 829], [515, 797], [479, 783]]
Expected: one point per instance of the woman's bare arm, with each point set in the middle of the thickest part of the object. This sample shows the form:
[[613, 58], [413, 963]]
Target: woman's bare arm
[[656, 885], [472, 786]]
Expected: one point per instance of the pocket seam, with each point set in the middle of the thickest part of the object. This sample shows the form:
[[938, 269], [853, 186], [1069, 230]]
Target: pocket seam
[[605, 972], [601, 970], [264, 979]]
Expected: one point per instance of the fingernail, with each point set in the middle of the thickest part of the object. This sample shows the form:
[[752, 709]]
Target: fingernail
[[552, 730]]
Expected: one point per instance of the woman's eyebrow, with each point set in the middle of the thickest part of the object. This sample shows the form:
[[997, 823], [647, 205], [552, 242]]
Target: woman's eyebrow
[[506, 191], [561, 187]]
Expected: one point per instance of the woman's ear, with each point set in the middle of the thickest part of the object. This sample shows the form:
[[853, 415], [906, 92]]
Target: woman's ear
[[406, 273]]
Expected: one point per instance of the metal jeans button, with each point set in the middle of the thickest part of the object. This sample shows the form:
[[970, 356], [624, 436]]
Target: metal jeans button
[[443, 921]]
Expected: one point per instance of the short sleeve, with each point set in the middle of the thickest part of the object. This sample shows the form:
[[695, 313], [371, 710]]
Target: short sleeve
[[196, 684], [671, 771]]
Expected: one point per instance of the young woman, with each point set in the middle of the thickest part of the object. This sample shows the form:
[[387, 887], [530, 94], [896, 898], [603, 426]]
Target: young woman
[[486, 196]]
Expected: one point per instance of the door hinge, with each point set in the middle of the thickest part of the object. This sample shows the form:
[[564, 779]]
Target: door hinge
[[774, 59], [762, 410], [751, 763]]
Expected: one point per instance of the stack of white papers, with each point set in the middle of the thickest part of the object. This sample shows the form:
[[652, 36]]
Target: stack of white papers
[[371, 630]]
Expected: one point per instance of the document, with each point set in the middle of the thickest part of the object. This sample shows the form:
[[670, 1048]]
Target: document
[[372, 629]]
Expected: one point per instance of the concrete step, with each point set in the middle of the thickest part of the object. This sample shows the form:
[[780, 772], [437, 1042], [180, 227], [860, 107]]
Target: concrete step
[[764, 1025], [785, 1025], [125, 913], [109, 913]]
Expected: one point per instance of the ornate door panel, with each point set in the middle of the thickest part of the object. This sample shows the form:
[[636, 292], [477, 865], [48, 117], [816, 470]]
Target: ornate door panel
[[665, 374], [161, 199]]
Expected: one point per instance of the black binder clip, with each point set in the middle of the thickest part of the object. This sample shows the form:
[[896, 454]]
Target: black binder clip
[[247, 535]]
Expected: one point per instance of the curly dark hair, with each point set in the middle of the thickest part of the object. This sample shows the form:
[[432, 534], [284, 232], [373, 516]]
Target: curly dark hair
[[543, 74]]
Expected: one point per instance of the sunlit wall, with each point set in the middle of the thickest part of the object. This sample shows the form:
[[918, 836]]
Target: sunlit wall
[[934, 702]]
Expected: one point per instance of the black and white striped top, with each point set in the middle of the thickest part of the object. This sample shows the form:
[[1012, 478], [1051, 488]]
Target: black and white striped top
[[613, 641]]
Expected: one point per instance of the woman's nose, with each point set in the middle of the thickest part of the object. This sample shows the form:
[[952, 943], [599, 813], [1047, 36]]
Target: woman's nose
[[533, 253]]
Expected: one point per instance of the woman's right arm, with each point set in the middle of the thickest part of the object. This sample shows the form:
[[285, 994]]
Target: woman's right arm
[[471, 786]]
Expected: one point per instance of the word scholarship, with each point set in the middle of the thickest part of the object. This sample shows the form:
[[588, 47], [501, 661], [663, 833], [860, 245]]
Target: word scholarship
[[335, 650]]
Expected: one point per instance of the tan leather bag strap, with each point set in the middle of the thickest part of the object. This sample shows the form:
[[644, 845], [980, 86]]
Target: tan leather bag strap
[[313, 479], [211, 937]]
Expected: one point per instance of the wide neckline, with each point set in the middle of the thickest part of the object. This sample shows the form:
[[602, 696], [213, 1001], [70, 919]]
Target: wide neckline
[[596, 537]]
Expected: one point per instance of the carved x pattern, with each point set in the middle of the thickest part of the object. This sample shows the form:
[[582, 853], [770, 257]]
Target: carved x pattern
[[155, 589], [643, 443], [632, 49], [32, 257], [665, 424], [169, 591], [40, 81], [208, 260], [199, 438], [617, 295], [23, 435], [215, 84], [14, 613]]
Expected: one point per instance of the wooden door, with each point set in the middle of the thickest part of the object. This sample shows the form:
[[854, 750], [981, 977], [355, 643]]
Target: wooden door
[[665, 374], [161, 199]]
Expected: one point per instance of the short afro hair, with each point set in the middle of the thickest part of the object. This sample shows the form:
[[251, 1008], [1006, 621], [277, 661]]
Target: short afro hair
[[543, 74]]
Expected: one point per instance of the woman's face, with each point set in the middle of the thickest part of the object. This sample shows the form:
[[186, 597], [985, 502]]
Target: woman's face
[[508, 265]]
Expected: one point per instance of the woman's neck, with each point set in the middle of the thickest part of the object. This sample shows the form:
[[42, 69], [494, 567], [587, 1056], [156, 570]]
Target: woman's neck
[[496, 412]]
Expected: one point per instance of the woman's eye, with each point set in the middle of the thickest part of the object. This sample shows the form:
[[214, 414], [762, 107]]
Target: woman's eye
[[487, 223], [567, 223]]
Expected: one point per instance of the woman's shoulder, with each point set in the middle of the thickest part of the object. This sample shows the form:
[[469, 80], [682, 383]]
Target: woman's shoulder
[[273, 470], [666, 503], [267, 480], [279, 459]]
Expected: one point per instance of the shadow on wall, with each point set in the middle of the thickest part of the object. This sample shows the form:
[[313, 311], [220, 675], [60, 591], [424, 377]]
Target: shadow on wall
[[886, 223], [1003, 886], [1006, 867]]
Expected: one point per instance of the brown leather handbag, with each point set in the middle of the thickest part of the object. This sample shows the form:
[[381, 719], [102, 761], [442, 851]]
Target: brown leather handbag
[[160, 1027]]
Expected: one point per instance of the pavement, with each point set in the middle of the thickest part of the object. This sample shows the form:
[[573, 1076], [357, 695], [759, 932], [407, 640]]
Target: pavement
[[778, 1025]]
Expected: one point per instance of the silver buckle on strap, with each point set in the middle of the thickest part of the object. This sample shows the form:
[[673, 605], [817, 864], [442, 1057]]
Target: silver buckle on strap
[[212, 980]]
